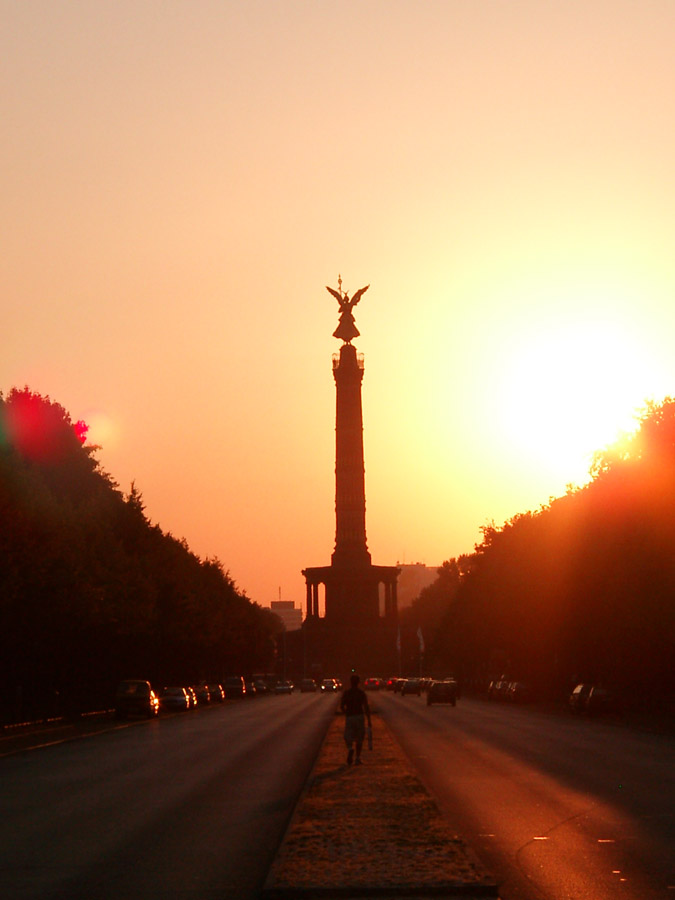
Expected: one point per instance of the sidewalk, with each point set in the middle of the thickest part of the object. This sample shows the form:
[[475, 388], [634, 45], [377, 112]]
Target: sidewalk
[[371, 831]]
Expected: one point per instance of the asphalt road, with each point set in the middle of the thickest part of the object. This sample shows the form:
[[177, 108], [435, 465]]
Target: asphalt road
[[555, 806], [190, 806]]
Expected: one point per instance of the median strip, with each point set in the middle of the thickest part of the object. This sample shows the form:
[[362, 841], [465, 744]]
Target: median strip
[[371, 831]]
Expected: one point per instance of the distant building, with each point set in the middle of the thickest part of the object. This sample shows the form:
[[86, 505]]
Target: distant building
[[287, 612], [414, 577]]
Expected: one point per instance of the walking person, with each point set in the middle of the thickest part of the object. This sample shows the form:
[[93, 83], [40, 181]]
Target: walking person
[[354, 704]]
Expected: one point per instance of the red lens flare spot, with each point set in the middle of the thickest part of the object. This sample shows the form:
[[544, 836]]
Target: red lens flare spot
[[39, 429]]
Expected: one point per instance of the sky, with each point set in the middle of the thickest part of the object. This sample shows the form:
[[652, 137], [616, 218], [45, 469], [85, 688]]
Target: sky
[[181, 180]]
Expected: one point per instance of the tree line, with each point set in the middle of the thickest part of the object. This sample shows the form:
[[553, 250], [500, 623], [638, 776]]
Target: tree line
[[582, 589], [90, 591]]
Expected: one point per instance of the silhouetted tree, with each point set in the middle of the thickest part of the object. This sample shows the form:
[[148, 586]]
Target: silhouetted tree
[[584, 587], [90, 590]]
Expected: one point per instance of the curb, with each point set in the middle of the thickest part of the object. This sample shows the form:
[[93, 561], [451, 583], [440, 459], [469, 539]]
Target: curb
[[371, 831]]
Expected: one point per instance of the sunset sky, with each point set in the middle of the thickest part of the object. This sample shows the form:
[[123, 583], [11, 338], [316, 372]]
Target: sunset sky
[[182, 178]]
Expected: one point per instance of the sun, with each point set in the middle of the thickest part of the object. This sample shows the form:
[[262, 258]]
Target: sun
[[571, 390]]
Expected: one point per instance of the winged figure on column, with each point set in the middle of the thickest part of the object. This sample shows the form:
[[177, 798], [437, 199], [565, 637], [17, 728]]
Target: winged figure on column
[[346, 329]]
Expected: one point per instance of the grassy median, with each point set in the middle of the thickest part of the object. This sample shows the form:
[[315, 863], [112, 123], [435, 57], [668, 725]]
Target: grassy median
[[371, 830]]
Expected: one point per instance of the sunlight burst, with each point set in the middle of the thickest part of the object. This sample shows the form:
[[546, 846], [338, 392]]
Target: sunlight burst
[[572, 391]]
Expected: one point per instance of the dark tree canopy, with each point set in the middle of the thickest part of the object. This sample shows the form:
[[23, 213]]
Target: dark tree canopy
[[91, 591], [581, 589]]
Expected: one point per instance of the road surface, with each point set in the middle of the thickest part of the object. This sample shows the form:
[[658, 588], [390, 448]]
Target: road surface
[[190, 806], [556, 807], [194, 806]]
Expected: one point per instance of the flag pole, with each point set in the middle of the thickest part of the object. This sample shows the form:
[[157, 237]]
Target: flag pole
[[398, 649]]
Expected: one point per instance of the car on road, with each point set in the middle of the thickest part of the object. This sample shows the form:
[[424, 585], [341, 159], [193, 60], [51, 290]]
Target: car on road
[[217, 692], [283, 687], [235, 687], [261, 686], [442, 692], [203, 694], [579, 697], [174, 699], [373, 684], [135, 698], [601, 700], [307, 686], [592, 699], [499, 689], [329, 686], [411, 686], [192, 697]]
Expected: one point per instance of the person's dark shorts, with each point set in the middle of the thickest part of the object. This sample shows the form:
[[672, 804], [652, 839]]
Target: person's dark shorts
[[355, 728]]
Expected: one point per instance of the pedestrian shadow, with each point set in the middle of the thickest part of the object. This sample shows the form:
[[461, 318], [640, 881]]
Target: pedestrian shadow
[[329, 774]]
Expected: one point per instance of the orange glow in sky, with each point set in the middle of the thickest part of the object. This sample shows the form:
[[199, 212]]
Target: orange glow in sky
[[180, 181]]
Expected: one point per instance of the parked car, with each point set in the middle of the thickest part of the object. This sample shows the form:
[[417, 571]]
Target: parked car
[[307, 685], [499, 689], [192, 697], [601, 700], [398, 685], [174, 699], [235, 687], [136, 698], [252, 690], [411, 686], [579, 698], [283, 687], [203, 694], [592, 699], [261, 687], [217, 692], [442, 692]]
